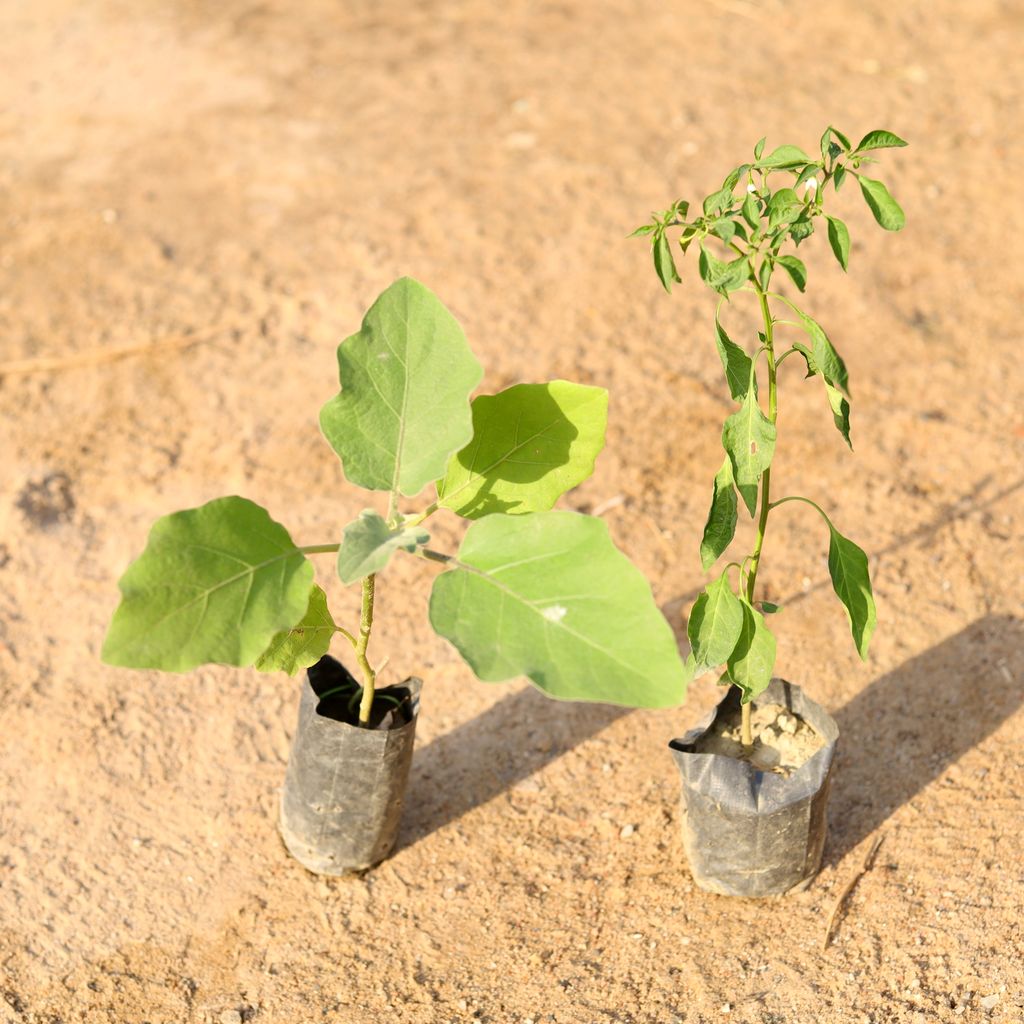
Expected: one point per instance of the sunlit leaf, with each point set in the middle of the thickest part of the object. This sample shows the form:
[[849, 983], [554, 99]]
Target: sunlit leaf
[[305, 643]]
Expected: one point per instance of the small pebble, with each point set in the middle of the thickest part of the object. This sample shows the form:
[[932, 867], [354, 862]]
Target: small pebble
[[230, 1017], [989, 1002], [767, 735], [787, 723], [726, 1008], [626, 831]]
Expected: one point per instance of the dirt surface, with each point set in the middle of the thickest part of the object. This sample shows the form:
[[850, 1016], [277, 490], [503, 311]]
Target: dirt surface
[[251, 175], [782, 739]]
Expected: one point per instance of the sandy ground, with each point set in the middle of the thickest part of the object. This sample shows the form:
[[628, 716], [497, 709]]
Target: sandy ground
[[254, 174]]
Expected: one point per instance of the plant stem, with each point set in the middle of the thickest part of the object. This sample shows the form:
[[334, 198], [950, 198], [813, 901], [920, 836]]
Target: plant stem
[[365, 626], [319, 549], [746, 733]]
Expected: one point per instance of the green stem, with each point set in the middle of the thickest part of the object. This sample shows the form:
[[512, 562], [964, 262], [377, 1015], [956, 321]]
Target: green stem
[[747, 737], [319, 549], [365, 626]]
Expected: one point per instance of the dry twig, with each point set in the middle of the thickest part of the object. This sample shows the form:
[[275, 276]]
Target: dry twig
[[869, 859], [45, 364]]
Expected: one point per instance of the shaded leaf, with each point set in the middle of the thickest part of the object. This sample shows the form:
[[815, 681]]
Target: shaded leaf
[[406, 378], [848, 567], [735, 362], [839, 239], [796, 270], [840, 412], [549, 596], [826, 359], [715, 624], [664, 264], [721, 523], [305, 643], [214, 584], [751, 663], [723, 277], [531, 443], [369, 543], [885, 209]]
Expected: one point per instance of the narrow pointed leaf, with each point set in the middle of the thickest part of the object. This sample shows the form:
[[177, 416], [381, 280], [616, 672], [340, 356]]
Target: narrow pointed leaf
[[839, 239], [214, 584], [406, 378], [720, 527], [879, 139], [848, 567], [751, 211], [549, 596], [840, 412], [664, 264], [749, 439], [305, 643], [827, 360], [735, 362], [796, 270], [759, 148], [886, 210], [369, 543], [751, 663], [715, 624], [531, 443], [784, 156]]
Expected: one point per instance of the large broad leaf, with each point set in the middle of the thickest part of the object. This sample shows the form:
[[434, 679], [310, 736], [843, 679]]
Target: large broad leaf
[[848, 567], [305, 643], [751, 663], [721, 524], [531, 443], [735, 362], [368, 544], [715, 624], [550, 597], [406, 378], [886, 210], [748, 437], [214, 584]]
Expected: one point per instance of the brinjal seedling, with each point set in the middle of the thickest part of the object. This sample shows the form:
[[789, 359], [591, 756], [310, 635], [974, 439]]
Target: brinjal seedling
[[532, 591], [752, 220]]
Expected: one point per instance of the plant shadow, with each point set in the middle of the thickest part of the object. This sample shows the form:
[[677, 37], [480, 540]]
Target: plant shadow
[[490, 754], [901, 733]]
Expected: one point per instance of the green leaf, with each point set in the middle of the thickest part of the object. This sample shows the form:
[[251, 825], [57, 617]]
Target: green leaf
[[735, 362], [305, 643], [644, 229], [369, 543], [839, 239], [839, 176], [549, 596], [796, 270], [825, 144], [751, 211], [721, 523], [783, 207], [886, 210], [406, 378], [717, 201], [531, 443], [810, 171], [770, 608], [759, 148], [842, 138], [812, 366], [879, 139], [848, 567], [840, 412], [802, 227], [784, 156], [664, 265], [827, 360], [723, 277], [724, 228], [715, 624], [751, 663], [748, 437], [214, 584]]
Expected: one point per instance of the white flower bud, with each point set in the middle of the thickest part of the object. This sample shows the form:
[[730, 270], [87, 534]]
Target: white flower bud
[[811, 185]]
